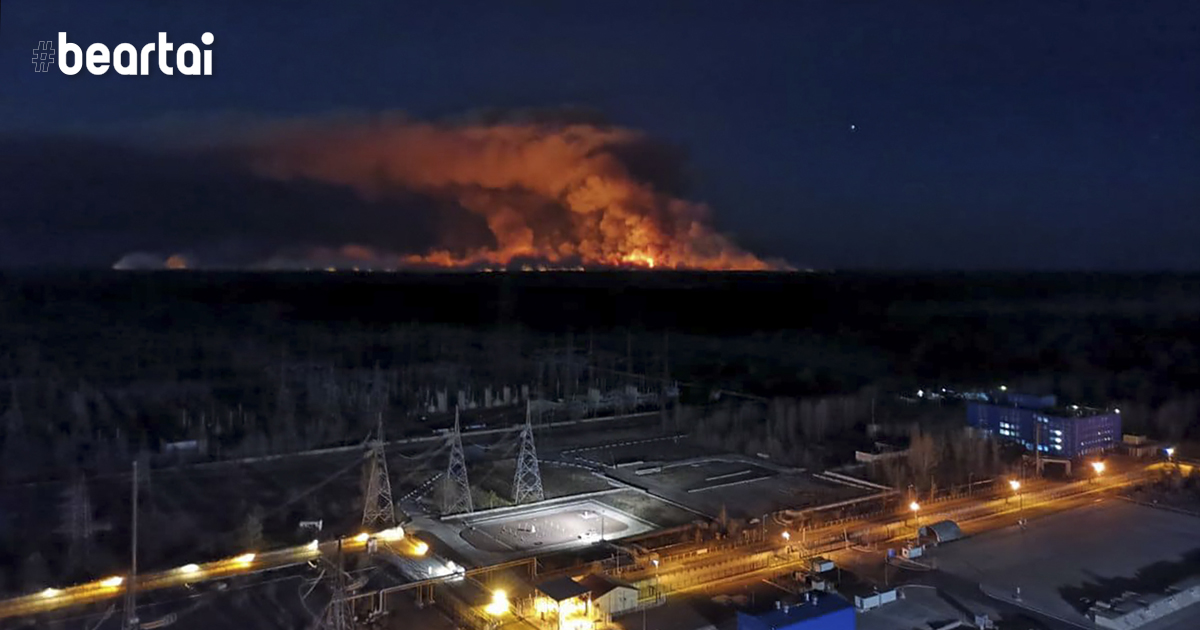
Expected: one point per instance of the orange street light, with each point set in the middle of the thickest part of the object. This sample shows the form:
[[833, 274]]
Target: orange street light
[[1016, 488], [916, 510]]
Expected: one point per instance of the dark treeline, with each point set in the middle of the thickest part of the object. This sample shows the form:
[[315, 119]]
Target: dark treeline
[[100, 366]]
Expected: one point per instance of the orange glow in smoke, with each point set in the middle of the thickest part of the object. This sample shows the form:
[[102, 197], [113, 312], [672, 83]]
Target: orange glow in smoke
[[548, 195], [640, 260]]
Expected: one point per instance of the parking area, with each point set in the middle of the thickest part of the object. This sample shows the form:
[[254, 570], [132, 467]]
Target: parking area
[[1060, 564]]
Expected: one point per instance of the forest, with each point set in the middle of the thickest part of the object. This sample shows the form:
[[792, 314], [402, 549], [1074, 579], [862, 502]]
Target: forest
[[99, 367]]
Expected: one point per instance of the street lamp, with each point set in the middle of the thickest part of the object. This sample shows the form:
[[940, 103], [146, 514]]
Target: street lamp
[[787, 536], [499, 604], [1098, 467], [656, 587], [1016, 488], [916, 510]]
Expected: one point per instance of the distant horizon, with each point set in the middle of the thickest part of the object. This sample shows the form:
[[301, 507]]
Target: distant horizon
[[900, 135], [32, 269]]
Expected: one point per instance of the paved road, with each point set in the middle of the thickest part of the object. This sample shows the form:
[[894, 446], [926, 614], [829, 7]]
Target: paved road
[[716, 564], [109, 588], [721, 562]]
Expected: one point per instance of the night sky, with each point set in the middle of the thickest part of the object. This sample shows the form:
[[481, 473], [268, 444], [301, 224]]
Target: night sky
[[926, 134]]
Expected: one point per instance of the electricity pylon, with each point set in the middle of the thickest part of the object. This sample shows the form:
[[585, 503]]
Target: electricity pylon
[[527, 482], [338, 615], [77, 520], [458, 490], [378, 510]]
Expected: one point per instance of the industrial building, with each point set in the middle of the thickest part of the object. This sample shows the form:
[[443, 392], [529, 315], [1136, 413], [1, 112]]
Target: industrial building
[[561, 602], [610, 596], [1039, 423], [815, 611]]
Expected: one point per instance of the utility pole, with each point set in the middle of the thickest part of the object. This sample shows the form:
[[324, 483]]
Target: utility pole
[[131, 619], [1037, 448]]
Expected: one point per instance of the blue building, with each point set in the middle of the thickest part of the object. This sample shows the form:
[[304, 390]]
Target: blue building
[[822, 611], [1039, 423]]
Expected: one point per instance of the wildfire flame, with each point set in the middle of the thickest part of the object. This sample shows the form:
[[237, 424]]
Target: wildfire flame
[[550, 195]]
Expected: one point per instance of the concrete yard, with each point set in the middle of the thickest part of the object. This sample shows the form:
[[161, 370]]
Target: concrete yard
[[1063, 562], [577, 523], [918, 607], [745, 488]]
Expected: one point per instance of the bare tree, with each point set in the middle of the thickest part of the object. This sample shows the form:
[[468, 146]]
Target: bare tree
[[923, 455]]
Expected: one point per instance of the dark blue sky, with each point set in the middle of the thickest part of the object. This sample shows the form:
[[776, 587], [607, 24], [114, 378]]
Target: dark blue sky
[[985, 134]]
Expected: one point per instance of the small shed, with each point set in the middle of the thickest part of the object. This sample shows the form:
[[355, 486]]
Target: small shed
[[562, 600], [821, 564], [870, 597], [941, 531], [610, 595]]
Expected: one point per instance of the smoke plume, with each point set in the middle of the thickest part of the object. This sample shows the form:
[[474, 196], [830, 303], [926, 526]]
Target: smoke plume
[[562, 194]]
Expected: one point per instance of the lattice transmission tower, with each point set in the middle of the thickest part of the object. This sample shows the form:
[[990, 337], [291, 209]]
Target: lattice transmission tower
[[527, 482], [378, 510], [457, 497], [77, 522], [338, 615]]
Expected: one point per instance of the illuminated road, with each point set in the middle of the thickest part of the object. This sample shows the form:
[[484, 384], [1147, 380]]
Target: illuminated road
[[717, 564], [109, 588], [696, 569]]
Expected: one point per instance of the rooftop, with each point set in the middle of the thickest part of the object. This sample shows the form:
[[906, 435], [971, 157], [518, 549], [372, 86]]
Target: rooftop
[[600, 584], [944, 531], [1053, 410], [820, 605], [563, 588]]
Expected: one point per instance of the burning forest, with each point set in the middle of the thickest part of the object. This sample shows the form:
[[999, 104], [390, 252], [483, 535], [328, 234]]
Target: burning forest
[[509, 195]]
